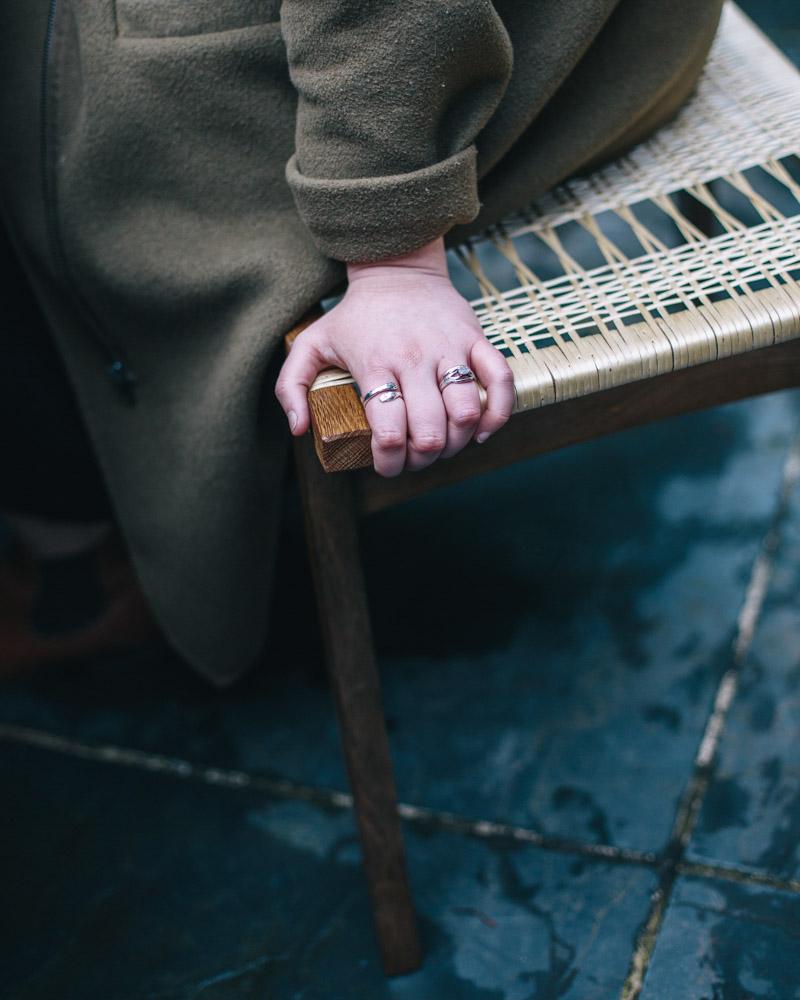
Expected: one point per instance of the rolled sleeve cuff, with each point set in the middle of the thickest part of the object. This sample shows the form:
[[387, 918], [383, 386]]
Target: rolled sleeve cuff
[[370, 218]]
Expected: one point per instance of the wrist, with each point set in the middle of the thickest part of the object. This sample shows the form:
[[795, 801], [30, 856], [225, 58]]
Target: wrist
[[429, 259]]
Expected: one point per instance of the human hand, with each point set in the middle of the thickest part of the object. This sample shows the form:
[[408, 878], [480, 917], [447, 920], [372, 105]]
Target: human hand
[[401, 320]]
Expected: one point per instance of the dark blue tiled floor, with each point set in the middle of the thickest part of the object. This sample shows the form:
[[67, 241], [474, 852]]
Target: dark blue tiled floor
[[141, 886], [618, 575], [751, 815], [576, 711], [727, 941], [603, 586], [574, 702]]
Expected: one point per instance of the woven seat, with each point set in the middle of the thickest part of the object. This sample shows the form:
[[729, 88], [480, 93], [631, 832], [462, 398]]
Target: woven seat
[[685, 251], [665, 282]]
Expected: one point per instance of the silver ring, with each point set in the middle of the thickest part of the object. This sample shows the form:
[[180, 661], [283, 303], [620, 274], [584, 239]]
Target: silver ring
[[455, 376], [386, 393]]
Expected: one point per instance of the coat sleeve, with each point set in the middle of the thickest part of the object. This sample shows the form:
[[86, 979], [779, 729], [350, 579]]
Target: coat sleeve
[[391, 95]]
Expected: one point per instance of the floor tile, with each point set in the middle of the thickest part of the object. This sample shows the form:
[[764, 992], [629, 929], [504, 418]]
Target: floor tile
[[723, 941], [549, 636], [126, 885], [622, 571], [751, 815]]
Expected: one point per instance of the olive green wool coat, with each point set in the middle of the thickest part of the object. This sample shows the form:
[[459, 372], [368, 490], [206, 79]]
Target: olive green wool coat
[[183, 179]]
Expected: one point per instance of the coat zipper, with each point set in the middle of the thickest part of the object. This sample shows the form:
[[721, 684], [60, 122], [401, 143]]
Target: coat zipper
[[117, 369]]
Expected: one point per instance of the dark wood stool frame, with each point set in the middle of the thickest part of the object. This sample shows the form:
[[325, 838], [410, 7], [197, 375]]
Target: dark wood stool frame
[[333, 502]]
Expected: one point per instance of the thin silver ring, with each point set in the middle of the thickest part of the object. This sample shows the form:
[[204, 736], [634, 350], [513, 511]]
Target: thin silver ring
[[386, 393], [456, 375]]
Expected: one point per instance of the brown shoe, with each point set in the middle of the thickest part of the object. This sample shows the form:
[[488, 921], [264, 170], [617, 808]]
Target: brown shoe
[[60, 609]]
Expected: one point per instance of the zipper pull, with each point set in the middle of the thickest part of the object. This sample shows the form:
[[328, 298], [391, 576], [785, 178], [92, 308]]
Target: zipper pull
[[124, 380]]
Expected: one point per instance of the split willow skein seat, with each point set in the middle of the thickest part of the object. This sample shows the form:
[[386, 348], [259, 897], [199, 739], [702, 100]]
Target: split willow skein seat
[[666, 281]]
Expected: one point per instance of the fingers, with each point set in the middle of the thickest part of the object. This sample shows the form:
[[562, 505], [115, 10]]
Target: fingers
[[298, 372], [463, 406], [426, 416], [492, 371], [388, 423], [427, 423]]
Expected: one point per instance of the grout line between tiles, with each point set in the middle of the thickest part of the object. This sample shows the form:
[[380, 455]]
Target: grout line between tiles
[[694, 794], [421, 816], [731, 873], [174, 767], [489, 830]]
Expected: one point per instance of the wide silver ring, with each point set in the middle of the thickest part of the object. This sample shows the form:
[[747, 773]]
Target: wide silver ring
[[455, 376], [386, 393]]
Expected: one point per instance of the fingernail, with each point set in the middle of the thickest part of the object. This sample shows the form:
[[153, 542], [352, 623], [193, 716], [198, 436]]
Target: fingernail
[[292, 419], [483, 436]]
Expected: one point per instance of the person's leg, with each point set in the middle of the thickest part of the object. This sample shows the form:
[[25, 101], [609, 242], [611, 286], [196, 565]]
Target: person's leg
[[67, 607], [47, 466], [66, 586], [46, 538]]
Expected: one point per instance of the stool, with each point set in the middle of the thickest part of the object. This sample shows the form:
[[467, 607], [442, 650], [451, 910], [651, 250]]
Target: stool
[[665, 282]]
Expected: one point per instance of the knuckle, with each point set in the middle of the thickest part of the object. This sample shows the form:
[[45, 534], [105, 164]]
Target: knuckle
[[428, 442], [300, 341], [302, 345], [505, 376], [466, 416], [388, 437], [412, 356]]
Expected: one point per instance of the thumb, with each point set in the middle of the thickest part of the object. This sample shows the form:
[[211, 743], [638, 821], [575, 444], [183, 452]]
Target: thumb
[[299, 370]]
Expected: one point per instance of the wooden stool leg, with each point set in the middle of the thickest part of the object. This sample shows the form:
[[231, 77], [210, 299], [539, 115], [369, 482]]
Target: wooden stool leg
[[331, 531]]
